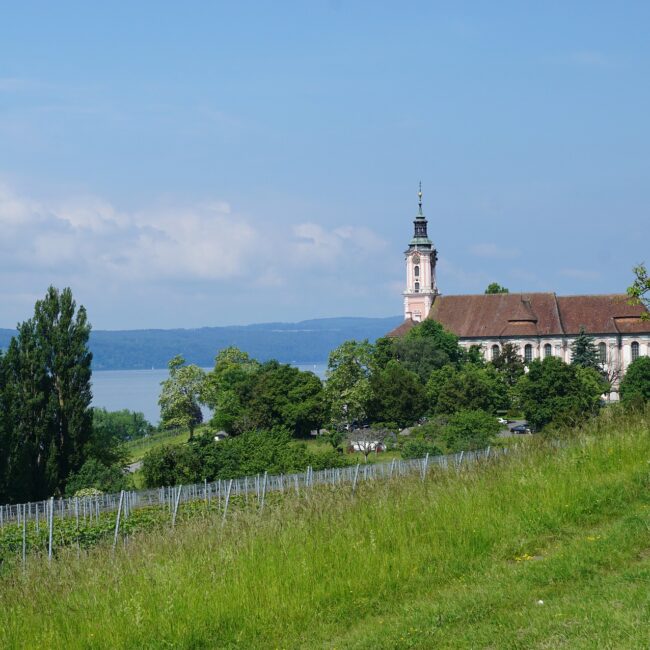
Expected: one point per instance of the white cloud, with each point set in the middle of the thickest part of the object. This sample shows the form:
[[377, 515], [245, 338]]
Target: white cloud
[[87, 242]]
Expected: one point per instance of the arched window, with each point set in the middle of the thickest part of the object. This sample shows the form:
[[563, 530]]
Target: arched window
[[635, 350], [416, 270], [417, 287], [548, 350], [495, 352], [602, 352], [528, 353]]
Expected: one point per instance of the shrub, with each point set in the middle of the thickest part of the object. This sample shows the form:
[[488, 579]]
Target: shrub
[[418, 448]]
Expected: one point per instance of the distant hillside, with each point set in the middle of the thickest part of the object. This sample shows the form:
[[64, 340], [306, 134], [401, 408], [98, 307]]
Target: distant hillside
[[308, 341]]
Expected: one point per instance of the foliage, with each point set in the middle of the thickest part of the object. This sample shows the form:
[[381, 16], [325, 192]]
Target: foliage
[[584, 352], [122, 425], [397, 395], [347, 389], [97, 475], [250, 453], [180, 396], [419, 448], [639, 291], [47, 421], [509, 363], [635, 385], [495, 287], [228, 388], [286, 397], [555, 392], [474, 429], [444, 340], [469, 387]]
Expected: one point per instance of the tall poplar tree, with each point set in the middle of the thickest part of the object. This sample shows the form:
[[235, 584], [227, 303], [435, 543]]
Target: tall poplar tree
[[48, 393]]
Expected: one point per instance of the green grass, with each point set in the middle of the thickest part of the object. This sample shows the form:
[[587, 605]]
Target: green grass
[[458, 561], [137, 449]]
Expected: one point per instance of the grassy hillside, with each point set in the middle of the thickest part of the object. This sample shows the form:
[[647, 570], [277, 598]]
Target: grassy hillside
[[546, 548]]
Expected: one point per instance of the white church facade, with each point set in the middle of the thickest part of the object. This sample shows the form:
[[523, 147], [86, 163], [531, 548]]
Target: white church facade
[[539, 324]]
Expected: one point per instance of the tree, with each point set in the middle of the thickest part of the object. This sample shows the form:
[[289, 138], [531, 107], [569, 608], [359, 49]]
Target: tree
[[469, 387], [635, 385], [471, 429], [347, 388], [286, 397], [555, 392], [509, 363], [180, 396], [47, 387], [584, 352], [397, 395], [495, 287], [228, 389], [445, 341], [639, 291]]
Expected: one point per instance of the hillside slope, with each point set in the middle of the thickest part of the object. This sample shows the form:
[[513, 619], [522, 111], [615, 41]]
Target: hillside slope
[[546, 548]]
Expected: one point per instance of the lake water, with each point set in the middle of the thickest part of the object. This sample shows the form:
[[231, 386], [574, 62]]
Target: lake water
[[138, 390]]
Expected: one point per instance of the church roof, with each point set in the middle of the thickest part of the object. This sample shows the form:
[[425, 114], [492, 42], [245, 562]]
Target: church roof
[[533, 314]]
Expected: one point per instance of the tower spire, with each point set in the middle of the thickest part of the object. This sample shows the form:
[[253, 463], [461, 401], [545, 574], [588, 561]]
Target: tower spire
[[420, 199]]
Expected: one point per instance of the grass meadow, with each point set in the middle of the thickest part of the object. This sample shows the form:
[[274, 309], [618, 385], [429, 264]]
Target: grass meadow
[[548, 547]]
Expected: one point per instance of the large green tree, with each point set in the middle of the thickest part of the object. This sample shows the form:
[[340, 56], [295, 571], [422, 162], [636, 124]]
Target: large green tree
[[635, 385], [348, 383], [228, 389], [555, 392], [48, 394], [468, 387], [180, 395], [397, 395]]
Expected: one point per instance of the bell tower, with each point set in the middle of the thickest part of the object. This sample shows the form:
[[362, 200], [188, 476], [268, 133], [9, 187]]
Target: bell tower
[[421, 257]]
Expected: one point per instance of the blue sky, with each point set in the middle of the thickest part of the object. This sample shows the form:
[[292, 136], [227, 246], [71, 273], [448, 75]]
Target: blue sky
[[195, 163]]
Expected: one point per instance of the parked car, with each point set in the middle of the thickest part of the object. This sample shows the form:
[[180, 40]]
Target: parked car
[[502, 421], [520, 428]]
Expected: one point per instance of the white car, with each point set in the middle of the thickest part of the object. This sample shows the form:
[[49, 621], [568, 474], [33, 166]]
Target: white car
[[502, 421]]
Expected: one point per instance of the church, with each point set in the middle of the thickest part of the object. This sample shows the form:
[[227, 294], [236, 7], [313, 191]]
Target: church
[[539, 324]]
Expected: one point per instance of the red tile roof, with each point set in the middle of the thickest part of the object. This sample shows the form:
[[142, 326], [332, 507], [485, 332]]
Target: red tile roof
[[533, 314]]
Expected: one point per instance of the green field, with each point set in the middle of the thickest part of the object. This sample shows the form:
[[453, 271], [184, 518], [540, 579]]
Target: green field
[[546, 548]]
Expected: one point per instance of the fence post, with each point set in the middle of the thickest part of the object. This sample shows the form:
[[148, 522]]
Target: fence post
[[425, 464], [263, 491], [117, 519], [24, 537], [178, 498], [356, 476], [50, 530], [225, 508]]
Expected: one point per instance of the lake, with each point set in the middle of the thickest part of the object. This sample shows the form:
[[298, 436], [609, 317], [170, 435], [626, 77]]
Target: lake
[[138, 390]]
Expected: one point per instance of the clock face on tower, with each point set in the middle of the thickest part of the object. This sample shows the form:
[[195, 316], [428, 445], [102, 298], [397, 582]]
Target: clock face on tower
[[416, 259]]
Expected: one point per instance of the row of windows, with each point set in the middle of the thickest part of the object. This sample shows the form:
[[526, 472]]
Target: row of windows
[[548, 351]]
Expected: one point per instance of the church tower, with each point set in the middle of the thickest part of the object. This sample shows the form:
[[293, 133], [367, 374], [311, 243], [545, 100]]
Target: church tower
[[421, 257]]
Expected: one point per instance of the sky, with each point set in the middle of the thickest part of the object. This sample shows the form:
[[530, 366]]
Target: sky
[[211, 163]]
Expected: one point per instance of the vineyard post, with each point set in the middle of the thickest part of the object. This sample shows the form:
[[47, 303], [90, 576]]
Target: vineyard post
[[225, 508], [178, 498], [356, 476], [117, 519], [50, 529], [263, 492], [24, 537]]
